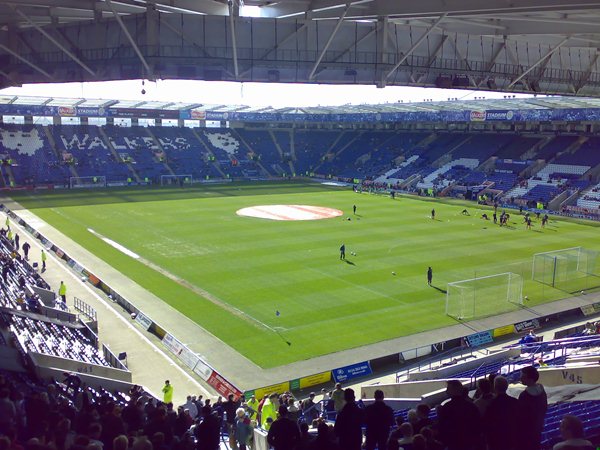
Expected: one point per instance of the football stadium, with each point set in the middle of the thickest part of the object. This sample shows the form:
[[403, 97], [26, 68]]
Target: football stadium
[[287, 268]]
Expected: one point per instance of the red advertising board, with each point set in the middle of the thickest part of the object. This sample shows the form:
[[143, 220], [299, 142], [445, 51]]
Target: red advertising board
[[223, 386]]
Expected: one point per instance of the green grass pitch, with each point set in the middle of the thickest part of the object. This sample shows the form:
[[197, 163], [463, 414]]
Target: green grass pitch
[[255, 267]]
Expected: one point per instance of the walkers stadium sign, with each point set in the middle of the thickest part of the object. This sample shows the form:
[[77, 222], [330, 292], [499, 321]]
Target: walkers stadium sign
[[483, 116]]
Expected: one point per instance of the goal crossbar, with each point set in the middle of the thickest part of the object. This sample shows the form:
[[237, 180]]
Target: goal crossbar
[[484, 296]]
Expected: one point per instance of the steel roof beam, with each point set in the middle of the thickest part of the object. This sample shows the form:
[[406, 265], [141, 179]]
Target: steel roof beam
[[65, 50], [414, 46], [130, 39], [329, 41], [538, 62], [29, 63], [586, 76], [232, 8]]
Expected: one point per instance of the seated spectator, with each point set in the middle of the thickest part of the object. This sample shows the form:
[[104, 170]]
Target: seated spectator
[[396, 434], [571, 430], [419, 443], [406, 439], [529, 338], [432, 442]]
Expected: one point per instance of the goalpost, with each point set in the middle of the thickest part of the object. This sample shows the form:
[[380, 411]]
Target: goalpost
[[484, 296], [568, 269], [97, 181], [175, 180]]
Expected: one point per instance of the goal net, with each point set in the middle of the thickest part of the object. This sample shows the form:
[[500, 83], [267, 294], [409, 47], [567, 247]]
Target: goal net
[[97, 181], [175, 180], [484, 296], [570, 269]]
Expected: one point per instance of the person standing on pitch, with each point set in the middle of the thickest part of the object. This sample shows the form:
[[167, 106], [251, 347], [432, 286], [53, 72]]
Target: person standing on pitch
[[354, 209], [343, 251], [62, 291], [429, 276], [433, 214]]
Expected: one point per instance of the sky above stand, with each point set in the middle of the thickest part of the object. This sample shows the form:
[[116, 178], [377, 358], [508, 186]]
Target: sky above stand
[[277, 95]]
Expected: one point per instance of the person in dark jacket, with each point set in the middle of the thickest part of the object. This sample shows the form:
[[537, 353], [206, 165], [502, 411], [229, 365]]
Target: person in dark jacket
[[501, 418], [284, 433], [208, 432], [324, 440], [379, 417], [348, 424], [533, 404], [459, 420]]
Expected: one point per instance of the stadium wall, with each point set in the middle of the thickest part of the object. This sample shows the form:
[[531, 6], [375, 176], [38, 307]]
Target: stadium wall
[[570, 375], [409, 389], [80, 367], [95, 381], [473, 364]]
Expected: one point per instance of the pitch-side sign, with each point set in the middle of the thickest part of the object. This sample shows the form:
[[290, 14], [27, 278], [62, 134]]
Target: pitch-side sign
[[354, 371]]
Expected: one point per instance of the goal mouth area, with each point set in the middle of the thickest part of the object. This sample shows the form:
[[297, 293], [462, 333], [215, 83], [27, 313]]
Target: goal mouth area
[[176, 180], [98, 181], [573, 270], [485, 296]]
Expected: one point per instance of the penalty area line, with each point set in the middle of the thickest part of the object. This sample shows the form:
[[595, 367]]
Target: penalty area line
[[182, 282]]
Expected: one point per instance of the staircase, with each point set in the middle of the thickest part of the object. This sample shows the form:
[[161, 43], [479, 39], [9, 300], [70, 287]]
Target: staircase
[[215, 163], [116, 155], [58, 155]]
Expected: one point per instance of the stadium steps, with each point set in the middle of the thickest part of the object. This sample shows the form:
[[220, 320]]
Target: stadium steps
[[424, 143], [161, 148], [530, 153], [215, 162], [570, 149], [116, 156], [280, 150], [11, 176], [54, 148], [264, 170], [293, 152], [348, 144], [447, 157]]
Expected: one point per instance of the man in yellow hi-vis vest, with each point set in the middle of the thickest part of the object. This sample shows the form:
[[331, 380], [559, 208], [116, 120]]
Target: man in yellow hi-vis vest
[[167, 391], [44, 258], [62, 291]]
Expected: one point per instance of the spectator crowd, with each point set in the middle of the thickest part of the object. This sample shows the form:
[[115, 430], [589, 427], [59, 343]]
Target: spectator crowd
[[69, 416]]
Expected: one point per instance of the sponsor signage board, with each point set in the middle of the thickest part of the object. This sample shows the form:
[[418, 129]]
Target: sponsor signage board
[[478, 339], [502, 331], [143, 320], [353, 371], [527, 325]]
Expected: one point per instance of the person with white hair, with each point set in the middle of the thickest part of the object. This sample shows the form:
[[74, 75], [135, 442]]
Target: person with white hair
[[242, 430]]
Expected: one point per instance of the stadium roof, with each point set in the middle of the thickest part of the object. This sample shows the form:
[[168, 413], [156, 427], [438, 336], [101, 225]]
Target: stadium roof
[[539, 102], [533, 46]]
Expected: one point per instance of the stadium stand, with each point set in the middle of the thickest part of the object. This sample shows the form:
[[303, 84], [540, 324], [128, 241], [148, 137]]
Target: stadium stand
[[32, 160]]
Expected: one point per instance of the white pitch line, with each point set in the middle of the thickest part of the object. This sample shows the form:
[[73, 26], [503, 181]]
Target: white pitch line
[[122, 319], [115, 245], [364, 288], [217, 301]]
